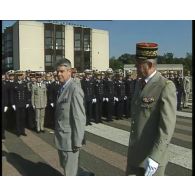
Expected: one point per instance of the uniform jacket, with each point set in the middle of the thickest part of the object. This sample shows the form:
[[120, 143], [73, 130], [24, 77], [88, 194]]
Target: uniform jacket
[[39, 96], [99, 89], [19, 95], [187, 84], [120, 89], [109, 88], [4, 94], [88, 88], [153, 121], [70, 117]]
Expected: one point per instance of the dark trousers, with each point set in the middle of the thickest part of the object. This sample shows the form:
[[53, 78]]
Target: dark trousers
[[127, 107], [31, 123], [98, 111], [119, 109], [20, 120], [49, 116], [4, 123], [11, 118], [179, 96], [88, 108], [109, 108]]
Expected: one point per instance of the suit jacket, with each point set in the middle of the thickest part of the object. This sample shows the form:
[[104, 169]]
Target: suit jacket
[[70, 118], [153, 121], [39, 96]]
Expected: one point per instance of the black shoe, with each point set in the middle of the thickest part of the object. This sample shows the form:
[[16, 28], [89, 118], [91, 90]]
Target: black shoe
[[38, 131], [24, 134], [43, 131], [90, 123]]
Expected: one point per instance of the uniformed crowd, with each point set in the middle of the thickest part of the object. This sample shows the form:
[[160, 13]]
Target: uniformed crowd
[[28, 98]]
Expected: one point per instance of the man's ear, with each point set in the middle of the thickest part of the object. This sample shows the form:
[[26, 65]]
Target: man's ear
[[150, 64]]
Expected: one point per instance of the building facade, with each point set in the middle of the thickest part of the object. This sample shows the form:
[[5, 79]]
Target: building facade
[[36, 46]]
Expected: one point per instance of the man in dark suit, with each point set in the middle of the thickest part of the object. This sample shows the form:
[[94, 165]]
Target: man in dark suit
[[70, 119], [153, 116]]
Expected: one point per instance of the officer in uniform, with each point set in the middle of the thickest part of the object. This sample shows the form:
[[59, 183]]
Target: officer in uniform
[[187, 89], [178, 80], [74, 76], [11, 115], [20, 100], [109, 93], [153, 116], [49, 108], [30, 110], [119, 95], [128, 93], [4, 105], [88, 89], [39, 102], [54, 89], [99, 94]]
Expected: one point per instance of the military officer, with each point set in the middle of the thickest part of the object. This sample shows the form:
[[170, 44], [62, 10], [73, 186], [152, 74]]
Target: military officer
[[11, 115], [109, 93], [119, 95], [99, 94], [39, 102], [128, 93], [30, 110], [87, 85], [49, 108], [153, 116], [4, 105], [55, 85], [187, 89], [178, 80], [20, 100], [74, 76]]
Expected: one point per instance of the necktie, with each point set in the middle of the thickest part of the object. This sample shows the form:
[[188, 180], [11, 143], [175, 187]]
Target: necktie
[[143, 83]]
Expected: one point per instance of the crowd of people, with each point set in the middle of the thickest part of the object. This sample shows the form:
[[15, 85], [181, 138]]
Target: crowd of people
[[67, 101], [29, 97]]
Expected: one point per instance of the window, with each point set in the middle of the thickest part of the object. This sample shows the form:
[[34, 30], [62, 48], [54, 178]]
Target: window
[[77, 36], [48, 60], [9, 37], [59, 34], [48, 33], [48, 43], [58, 57]]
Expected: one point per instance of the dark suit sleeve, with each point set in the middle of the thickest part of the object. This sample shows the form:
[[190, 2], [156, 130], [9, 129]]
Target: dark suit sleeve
[[78, 116], [167, 121]]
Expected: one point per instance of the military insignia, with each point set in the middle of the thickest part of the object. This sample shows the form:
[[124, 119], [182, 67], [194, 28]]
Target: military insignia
[[148, 100]]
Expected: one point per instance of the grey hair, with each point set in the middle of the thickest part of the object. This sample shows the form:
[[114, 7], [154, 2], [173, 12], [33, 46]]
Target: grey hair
[[153, 61], [64, 62]]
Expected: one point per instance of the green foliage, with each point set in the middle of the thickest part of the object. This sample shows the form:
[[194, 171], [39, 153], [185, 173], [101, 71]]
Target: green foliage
[[167, 58]]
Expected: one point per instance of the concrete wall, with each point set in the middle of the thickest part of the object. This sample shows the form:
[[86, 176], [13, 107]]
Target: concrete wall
[[31, 43], [100, 49], [69, 43], [16, 46]]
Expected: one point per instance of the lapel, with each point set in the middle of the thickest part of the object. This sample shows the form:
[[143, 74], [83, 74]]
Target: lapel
[[153, 81], [64, 94], [139, 93]]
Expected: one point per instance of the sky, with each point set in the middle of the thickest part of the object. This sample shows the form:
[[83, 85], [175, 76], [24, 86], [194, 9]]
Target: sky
[[173, 36]]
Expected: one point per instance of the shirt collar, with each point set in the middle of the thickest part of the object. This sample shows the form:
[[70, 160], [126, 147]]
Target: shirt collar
[[149, 77]]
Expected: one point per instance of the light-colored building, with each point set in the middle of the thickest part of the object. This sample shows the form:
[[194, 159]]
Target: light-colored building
[[37, 45]]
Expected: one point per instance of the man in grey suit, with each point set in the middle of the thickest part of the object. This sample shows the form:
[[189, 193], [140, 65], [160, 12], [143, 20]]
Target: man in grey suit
[[70, 119], [153, 116]]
